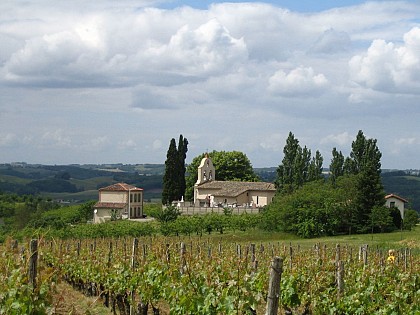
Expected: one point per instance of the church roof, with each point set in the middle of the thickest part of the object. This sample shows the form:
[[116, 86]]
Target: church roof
[[235, 188]]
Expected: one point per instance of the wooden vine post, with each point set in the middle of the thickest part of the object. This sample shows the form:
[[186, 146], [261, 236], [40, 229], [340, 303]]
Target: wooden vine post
[[340, 278], [274, 286], [365, 254], [133, 267], [290, 256], [33, 262], [183, 265], [168, 253], [337, 254]]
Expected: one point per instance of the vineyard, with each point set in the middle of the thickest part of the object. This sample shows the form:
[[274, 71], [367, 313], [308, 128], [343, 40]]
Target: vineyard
[[158, 275]]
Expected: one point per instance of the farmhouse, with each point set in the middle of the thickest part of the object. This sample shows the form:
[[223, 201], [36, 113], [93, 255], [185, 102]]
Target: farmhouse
[[392, 200], [120, 200], [209, 192]]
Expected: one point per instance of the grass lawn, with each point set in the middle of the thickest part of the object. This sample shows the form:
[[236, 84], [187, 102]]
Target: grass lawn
[[395, 239]]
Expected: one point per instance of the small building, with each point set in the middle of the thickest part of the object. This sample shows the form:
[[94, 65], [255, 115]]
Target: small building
[[393, 200], [212, 193], [118, 201]]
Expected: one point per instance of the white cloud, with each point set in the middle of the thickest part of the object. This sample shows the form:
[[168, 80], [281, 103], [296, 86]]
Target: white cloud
[[8, 139], [89, 53], [341, 139], [390, 67], [274, 142], [157, 144], [233, 76], [207, 50], [406, 141], [298, 82], [56, 137], [97, 143], [127, 144], [330, 42]]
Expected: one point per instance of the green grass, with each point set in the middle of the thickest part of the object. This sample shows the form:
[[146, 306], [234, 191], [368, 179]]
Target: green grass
[[14, 180], [395, 239]]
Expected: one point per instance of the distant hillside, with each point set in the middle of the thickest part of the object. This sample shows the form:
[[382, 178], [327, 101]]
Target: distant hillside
[[79, 183], [404, 185]]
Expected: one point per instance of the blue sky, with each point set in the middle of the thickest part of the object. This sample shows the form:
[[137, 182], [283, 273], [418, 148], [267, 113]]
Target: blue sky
[[113, 81]]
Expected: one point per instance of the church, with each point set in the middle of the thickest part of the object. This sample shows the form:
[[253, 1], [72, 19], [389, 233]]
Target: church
[[209, 192]]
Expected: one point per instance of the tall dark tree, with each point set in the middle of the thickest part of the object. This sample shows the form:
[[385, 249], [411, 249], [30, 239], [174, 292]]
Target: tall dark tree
[[285, 171], [315, 168], [336, 166], [297, 167], [359, 152], [170, 184], [349, 167], [366, 158], [182, 152], [174, 177]]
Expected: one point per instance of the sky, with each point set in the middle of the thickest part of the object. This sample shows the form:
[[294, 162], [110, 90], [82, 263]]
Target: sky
[[114, 81]]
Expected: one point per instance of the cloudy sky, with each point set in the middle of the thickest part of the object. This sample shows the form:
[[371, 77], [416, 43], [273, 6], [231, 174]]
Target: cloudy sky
[[113, 81]]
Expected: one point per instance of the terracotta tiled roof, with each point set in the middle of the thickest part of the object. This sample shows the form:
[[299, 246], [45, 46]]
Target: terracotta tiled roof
[[396, 197], [110, 205], [234, 188], [121, 187]]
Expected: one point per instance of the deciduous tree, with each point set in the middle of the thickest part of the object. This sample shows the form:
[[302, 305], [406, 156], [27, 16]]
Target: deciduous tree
[[336, 166], [297, 168], [229, 166]]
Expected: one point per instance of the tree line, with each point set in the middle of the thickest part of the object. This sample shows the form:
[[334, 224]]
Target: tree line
[[350, 199]]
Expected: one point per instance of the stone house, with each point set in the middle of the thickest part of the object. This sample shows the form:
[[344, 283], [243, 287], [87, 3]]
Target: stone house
[[119, 200], [393, 200]]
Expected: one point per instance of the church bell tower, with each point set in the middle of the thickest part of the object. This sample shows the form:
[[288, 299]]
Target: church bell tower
[[206, 171]]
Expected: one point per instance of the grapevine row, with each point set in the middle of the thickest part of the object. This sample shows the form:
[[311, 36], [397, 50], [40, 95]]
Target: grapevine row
[[196, 276]]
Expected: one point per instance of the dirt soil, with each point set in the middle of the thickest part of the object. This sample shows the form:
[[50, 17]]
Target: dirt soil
[[69, 301]]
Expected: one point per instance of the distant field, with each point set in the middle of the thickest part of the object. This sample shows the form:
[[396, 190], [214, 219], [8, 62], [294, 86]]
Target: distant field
[[91, 183], [14, 180], [79, 197]]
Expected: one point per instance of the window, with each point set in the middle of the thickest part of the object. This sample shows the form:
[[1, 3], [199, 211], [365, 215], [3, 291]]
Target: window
[[392, 204], [131, 197]]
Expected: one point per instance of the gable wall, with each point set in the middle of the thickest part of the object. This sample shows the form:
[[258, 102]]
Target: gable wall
[[113, 196], [398, 204]]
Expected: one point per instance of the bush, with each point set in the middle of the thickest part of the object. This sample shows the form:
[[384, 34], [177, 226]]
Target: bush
[[167, 214], [411, 218]]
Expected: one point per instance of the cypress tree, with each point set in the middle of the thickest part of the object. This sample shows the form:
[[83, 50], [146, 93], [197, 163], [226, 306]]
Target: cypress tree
[[182, 155], [174, 177], [170, 178]]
